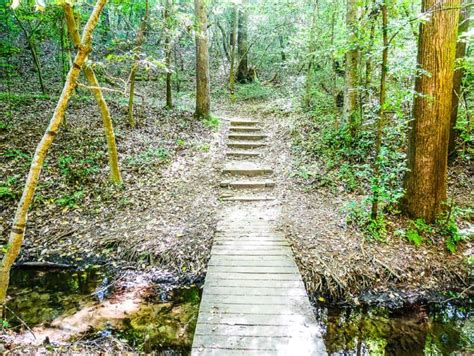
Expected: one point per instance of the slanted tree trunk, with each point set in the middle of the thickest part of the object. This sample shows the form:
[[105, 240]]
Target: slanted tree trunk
[[138, 44], [97, 92], [19, 223], [458, 75], [203, 100], [352, 65], [243, 73], [426, 181], [233, 52], [168, 49], [381, 118]]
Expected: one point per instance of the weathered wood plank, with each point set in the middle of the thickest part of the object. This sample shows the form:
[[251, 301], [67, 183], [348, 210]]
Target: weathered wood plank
[[255, 319], [254, 269], [218, 299], [251, 330], [255, 291], [296, 345], [282, 309], [254, 276], [253, 283]]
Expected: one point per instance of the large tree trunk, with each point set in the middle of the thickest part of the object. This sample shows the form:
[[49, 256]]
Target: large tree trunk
[[19, 223], [243, 74], [233, 52], [426, 181], [97, 92], [381, 118], [203, 100], [133, 72], [352, 65], [458, 75], [168, 49]]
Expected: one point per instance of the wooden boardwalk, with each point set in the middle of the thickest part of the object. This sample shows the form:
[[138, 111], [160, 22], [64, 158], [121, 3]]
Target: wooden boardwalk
[[254, 301]]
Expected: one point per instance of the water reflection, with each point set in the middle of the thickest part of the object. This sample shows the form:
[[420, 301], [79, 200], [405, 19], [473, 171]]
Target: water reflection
[[433, 330]]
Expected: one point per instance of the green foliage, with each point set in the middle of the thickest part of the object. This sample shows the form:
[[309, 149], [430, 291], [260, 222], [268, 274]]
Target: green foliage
[[76, 169], [252, 92], [7, 188], [417, 231], [448, 227], [211, 122], [377, 228], [147, 157], [71, 201]]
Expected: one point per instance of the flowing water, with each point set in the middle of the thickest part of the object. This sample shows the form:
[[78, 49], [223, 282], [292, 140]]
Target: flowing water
[[166, 320]]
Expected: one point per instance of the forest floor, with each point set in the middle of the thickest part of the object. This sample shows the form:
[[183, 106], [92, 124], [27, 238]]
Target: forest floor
[[164, 215]]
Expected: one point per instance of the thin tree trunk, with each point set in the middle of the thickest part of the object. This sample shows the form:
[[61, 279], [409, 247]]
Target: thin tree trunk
[[104, 109], [426, 180], [458, 75], [309, 80], [233, 52], [352, 65], [138, 43], [381, 118], [19, 223], [203, 100], [34, 53], [243, 75], [169, 98]]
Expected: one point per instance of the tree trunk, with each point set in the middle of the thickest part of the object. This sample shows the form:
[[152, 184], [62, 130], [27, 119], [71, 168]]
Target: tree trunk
[[19, 223], [243, 74], [34, 54], [203, 100], [458, 75], [138, 44], [168, 48], [381, 118], [426, 181], [97, 92], [352, 65], [233, 52], [309, 80]]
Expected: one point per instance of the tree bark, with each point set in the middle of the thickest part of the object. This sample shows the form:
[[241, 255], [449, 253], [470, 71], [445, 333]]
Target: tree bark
[[104, 109], [243, 74], [381, 118], [352, 65], [426, 181], [233, 52], [458, 75], [203, 100], [168, 48], [19, 223], [138, 44]]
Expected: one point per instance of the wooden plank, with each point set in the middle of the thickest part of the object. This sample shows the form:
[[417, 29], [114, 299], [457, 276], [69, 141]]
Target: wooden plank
[[283, 309], [296, 345], [250, 242], [251, 330], [255, 276], [254, 283], [201, 351], [254, 269], [255, 291], [260, 252], [254, 319], [252, 263], [213, 299]]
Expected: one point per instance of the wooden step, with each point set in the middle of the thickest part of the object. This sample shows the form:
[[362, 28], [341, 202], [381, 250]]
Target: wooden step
[[248, 184], [246, 136], [248, 198], [240, 144], [246, 170], [244, 129], [243, 154], [243, 123]]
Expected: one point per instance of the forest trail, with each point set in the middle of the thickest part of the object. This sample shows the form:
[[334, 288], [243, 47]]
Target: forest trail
[[254, 299]]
